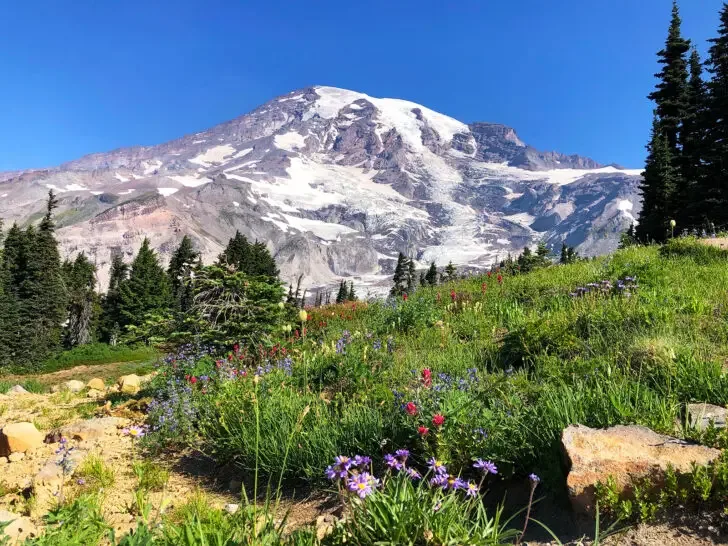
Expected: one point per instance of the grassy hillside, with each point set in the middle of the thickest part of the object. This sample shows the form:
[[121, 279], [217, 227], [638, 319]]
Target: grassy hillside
[[628, 338]]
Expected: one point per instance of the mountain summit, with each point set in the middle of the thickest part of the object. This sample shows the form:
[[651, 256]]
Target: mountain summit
[[336, 183]]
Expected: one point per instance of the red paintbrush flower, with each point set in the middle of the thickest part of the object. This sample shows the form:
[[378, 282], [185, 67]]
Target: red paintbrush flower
[[422, 431], [410, 408], [438, 419]]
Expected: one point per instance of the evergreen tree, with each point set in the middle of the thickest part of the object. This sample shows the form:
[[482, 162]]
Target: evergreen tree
[[564, 257], [237, 253], [423, 280], [343, 292], [44, 301], [111, 319], [400, 276], [671, 92], [411, 276], [352, 293], [179, 272], [262, 262], [431, 276], [80, 280], [147, 289], [254, 260], [656, 187], [693, 141], [450, 271], [714, 190]]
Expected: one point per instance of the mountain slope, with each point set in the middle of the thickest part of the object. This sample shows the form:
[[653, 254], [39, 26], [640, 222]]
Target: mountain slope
[[336, 183]]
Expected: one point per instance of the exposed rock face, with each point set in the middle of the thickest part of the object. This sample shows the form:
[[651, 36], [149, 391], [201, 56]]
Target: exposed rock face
[[19, 438], [624, 452], [336, 183]]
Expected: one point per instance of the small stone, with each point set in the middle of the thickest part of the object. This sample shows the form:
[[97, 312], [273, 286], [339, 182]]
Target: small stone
[[3, 460], [20, 527], [232, 508], [16, 457], [94, 393], [19, 437], [96, 384], [129, 384], [17, 390], [325, 525]]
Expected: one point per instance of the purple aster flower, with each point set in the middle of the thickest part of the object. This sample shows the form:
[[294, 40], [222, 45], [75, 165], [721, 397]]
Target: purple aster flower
[[413, 474], [361, 460], [457, 483], [331, 473], [402, 454], [471, 490], [436, 466], [534, 479], [392, 462], [362, 484], [440, 480], [487, 467]]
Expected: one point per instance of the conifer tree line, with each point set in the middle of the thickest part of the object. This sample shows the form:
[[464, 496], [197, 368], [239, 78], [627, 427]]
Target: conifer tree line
[[685, 182], [47, 304], [406, 279]]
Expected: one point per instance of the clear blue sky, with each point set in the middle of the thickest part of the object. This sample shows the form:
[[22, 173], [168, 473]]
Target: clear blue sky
[[82, 76]]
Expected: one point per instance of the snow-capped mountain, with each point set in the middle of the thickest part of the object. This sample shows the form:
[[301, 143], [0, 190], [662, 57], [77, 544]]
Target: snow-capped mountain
[[336, 183]]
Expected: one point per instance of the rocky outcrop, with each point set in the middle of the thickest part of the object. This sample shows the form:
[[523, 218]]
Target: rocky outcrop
[[97, 384], [129, 384], [624, 452], [701, 416]]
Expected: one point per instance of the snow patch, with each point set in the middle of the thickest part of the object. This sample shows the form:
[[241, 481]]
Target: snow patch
[[166, 192], [236, 204], [289, 141], [96, 192], [151, 166], [242, 153], [213, 155], [190, 181], [324, 230], [121, 178], [126, 192], [523, 218]]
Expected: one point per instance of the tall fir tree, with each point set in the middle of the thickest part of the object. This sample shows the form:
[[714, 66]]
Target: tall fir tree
[[111, 319], [399, 280], [692, 141], [343, 292], [657, 187], [450, 271], [80, 280], [671, 92], [147, 289], [252, 259], [714, 186], [431, 276], [44, 307], [411, 276], [181, 266], [352, 292]]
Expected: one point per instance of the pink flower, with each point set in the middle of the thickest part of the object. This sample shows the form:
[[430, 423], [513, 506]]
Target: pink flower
[[193, 380], [426, 377], [404, 296], [422, 430], [438, 419], [411, 408]]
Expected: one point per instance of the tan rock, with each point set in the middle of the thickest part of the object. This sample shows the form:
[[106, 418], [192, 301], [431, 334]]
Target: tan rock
[[91, 429], [325, 524], [3, 460], [624, 452], [19, 437], [16, 457], [20, 527], [74, 385], [17, 390], [97, 384], [129, 384]]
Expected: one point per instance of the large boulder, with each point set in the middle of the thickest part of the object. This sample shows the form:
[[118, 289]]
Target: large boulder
[[129, 384], [700, 416], [624, 452], [19, 529], [96, 384], [19, 438]]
